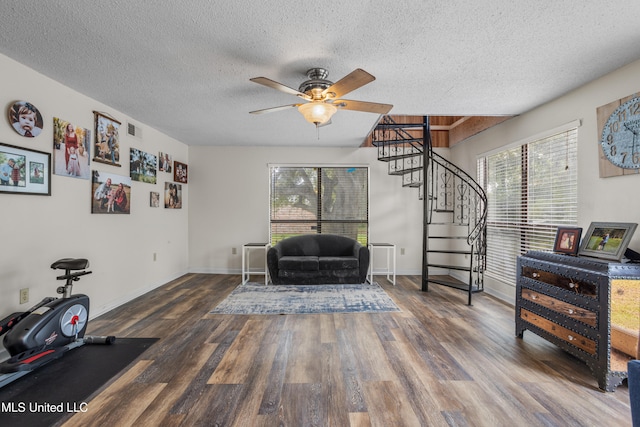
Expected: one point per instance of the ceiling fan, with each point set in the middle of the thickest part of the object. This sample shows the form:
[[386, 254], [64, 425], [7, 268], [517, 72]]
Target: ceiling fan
[[323, 97]]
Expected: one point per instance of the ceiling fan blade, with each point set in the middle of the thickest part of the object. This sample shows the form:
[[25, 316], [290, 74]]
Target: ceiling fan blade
[[278, 86], [368, 107], [274, 109], [352, 81]]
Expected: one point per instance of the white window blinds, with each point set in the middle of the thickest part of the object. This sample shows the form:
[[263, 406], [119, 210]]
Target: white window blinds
[[531, 190], [311, 200]]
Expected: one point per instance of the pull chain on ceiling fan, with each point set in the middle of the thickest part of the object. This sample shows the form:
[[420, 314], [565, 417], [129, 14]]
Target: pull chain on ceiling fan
[[322, 97]]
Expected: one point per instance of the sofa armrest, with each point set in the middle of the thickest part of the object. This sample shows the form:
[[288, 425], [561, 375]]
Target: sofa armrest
[[363, 261], [273, 255]]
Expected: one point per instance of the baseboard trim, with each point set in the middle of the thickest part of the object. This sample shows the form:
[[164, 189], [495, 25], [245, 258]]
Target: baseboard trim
[[130, 297]]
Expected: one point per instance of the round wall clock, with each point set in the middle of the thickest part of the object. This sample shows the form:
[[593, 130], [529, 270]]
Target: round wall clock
[[621, 135]]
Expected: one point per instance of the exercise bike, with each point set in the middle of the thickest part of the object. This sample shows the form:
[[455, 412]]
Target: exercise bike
[[49, 329]]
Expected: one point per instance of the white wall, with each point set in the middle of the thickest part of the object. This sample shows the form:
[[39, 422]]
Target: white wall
[[229, 202], [37, 230], [615, 199]]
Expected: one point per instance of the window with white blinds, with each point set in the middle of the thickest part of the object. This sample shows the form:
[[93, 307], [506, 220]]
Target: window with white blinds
[[531, 190], [314, 200]]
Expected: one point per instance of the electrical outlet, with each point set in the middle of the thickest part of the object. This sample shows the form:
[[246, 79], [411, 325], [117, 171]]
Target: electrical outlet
[[24, 296], [401, 251], [155, 256], [234, 251]]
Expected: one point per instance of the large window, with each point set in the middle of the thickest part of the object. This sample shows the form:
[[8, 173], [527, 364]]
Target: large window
[[313, 200], [531, 190]]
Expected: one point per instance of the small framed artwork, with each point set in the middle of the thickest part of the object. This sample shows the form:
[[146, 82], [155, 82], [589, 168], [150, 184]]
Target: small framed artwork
[[107, 143], [71, 147], [567, 240], [24, 171], [25, 119], [142, 166], [172, 195], [164, 162], [111, 194], [154, 199], [180, 173], [607, 240]]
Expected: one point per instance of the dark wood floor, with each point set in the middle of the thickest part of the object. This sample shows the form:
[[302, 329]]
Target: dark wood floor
[[438, 362]]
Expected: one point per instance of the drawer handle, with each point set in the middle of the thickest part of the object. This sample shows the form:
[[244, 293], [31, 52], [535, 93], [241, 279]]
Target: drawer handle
[[570, 337], [534, 297], [570, 311], [535, 275]]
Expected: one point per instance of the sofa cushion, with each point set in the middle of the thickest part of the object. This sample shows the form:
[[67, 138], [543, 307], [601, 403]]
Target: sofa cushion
[[337, 262], [296, 263]]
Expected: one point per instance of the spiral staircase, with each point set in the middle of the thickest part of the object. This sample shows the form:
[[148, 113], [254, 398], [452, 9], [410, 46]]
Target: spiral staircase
[[455, 206]]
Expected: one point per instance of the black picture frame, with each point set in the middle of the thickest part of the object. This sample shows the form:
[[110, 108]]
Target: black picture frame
[[567, 240], [607, 240], [24, 171]]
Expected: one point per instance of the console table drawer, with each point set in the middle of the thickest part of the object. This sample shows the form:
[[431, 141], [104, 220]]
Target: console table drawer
[[562, 281], [560, 332], [569, 310]]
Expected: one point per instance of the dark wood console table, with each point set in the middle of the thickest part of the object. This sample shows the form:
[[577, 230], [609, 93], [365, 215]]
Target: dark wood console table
[[569, 301]]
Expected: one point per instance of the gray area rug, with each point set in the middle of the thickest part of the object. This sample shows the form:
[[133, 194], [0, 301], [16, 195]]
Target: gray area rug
[[253, 298]]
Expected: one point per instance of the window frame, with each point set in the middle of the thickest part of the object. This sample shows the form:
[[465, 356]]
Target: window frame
[[532, 233], [319, 221]]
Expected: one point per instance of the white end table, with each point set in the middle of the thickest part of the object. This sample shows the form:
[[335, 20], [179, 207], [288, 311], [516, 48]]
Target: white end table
[[390, 269], [246, 261]]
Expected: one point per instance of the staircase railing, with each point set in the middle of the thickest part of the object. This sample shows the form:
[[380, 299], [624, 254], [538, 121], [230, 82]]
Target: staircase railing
[[448, 189]]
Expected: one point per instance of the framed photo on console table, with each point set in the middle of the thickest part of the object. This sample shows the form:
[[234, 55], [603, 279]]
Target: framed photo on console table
[[567, 240], [607, 240], [24, 171]]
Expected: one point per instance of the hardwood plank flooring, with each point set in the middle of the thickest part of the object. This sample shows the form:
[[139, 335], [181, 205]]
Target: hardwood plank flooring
[[438, 362]]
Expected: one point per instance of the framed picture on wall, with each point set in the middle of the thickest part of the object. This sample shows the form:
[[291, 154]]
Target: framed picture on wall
[[164, 162], [25, 119], [107, 143], [180, 172], [24, 171], [71, 147], [172, 195], [154, 199], [607, 240], [142, 166], [111, 193], [567, 240]]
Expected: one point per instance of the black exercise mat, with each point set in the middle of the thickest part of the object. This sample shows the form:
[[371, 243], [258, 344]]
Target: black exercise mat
[[65, 384]]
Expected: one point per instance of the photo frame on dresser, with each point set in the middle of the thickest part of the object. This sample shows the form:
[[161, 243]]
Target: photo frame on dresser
[[567, 240], [607, 240]]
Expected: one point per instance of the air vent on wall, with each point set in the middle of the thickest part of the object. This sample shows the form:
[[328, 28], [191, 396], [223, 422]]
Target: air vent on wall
[[134, 130]]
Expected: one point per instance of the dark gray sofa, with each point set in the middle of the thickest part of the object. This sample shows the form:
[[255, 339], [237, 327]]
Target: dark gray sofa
[[315, 259]]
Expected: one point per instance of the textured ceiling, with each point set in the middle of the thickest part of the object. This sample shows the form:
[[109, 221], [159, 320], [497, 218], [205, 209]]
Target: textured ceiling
[[183, 67]]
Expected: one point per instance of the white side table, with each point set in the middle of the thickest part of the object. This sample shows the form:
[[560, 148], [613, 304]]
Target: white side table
[[246, 261], [390, 269]]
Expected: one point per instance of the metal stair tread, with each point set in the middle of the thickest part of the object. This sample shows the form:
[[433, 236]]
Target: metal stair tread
[[449, 251], [383, 142], [455, 284], [398, 157], [405, 171], [384, 126], [450, 267]]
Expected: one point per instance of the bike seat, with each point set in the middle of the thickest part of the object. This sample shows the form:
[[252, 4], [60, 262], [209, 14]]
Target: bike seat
[[71, 264]]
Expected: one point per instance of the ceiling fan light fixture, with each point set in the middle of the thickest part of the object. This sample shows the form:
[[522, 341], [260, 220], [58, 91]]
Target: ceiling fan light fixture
[[317, 112]]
